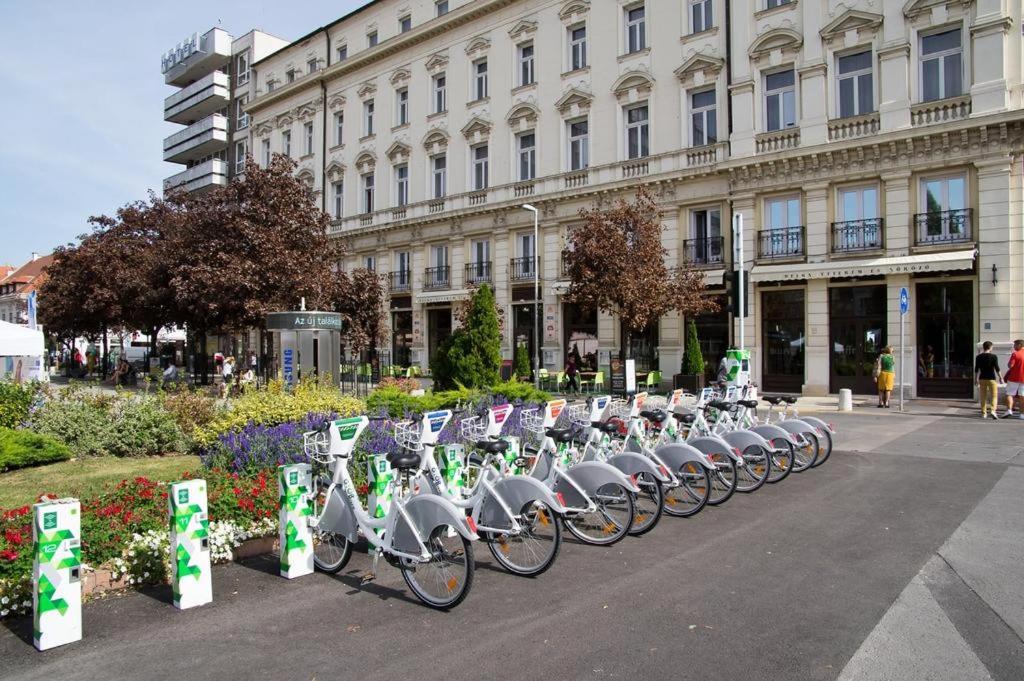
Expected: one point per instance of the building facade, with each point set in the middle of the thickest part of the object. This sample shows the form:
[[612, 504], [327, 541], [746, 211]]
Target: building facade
[[868, 147], [16, 286]]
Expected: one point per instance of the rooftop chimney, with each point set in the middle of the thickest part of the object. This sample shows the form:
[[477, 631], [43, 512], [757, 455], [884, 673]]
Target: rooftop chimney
[[35, 256]]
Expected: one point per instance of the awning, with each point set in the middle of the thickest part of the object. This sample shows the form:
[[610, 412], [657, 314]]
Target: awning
[[944, 261], [432, 297], [20, 341]]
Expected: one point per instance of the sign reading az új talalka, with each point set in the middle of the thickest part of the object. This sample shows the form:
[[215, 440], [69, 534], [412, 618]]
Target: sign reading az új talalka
[[304, 321]]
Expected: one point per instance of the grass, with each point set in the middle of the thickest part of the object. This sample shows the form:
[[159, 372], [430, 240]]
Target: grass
[[86, 477]]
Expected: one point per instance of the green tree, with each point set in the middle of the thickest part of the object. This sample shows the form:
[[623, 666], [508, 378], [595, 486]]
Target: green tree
[[693, 360], [521, 365], [472, 356]]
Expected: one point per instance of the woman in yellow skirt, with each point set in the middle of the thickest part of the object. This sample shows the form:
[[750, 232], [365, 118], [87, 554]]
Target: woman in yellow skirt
[[885, 374]]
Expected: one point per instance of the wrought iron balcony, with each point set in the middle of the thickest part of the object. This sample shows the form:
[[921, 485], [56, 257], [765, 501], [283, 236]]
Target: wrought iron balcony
[[437, 278], [479, 273], [857, 235], [942, 227], [400, 281], [704, 251], [524, 269], [780, 244]]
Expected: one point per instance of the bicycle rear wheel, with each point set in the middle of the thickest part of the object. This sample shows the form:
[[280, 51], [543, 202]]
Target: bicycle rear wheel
[[331, 551], [445, 580], [723, 479], [825, 450], [805, 453], [609, 522], [535, 548], [693, 491], [782, 460], [647, 505], [752, 475]]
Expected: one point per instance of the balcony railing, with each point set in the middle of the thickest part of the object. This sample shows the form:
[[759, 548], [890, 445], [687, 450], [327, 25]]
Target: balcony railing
[[940, 111], [437, 278], [207, 95], [777, 140], [197, 140], [781, 243], [213, 172], [857, 235], [703, 251], [942, 227], [854, 126], [400, 281], [523, 269], [478, 273]]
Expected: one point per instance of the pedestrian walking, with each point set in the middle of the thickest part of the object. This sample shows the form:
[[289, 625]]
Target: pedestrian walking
[[1015, 380], [885, 375], [571, 373], [986, 377]]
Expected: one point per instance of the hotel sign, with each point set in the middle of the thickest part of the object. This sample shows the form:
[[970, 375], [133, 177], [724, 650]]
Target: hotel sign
[[180, 53]]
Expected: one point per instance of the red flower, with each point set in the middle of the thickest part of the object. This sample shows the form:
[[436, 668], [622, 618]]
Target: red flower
[[237, 491], [362, 490], [7, 554], [13, 537]]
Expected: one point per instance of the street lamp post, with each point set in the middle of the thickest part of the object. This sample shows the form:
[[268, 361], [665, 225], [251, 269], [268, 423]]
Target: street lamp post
[[536, 298]]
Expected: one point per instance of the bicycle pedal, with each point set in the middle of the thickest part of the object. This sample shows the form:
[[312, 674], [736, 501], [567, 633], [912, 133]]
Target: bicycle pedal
[[367, 578]]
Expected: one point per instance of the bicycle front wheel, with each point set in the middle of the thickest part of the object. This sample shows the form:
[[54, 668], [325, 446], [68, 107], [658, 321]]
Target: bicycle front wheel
[[647, 505], [609, 521], [825, 449], [806, 452], [331, 550], [534, 549], [693, 491], [445, 579], [782, 460], [723, 478], [752, 475]]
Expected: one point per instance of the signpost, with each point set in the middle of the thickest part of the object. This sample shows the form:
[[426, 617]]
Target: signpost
[[904, 307]]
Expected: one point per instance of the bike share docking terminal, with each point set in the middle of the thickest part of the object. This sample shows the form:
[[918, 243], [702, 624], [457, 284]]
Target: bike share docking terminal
[[294, 483], [305, 343], [190, 544], [57, 573]]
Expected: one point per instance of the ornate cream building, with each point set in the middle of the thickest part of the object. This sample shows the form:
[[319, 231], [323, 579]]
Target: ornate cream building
[[869, 146]]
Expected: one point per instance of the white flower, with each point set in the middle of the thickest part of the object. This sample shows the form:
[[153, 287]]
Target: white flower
[[4, 600]]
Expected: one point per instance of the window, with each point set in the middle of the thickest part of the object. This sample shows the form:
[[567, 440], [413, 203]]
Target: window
[[941, 65], [857, 226], [526, 75], [856, 90], [405, 24], [307, 135], [286, 143], [403, 264], [782, 213], [439, 175], [265, 152], [776, 3], [480, 154], [527, 144], [242, 68], [371, 39], [858, 203], [367, 118], [480, 79], [700, 16], [339, 127], [241, 118], [527, 254], [342, 52], [339, 198], [402, 106], [442, 7], [579, 144], [637, 132], [480, 252], [636, 29], [705, 244], [577, 48], [780, 100], [704, 118], [289, 76], [311, 66], [370, 263], [440, 89], [270, 86], [402, 184], [368, 182], [944, 203], [241, 149]]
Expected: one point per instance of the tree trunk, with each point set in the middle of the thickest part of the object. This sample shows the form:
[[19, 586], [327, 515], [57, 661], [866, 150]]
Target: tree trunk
[[106, 353]]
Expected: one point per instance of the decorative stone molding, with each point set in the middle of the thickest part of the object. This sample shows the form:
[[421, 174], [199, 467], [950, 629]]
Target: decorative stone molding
[[306, 111], [336, 101], [575, 102], [436, 141], [366, 90], [574, 11], [478, 46], [912, 9], [632, 85], [306, 177], [699, 69], [523, 115], [478, 129], [263, 129], [525, 28], [366, 161], [436, 63], [398, 152], [284, 120], [335, 171], [783, 40], [851, 28], [400, 75]]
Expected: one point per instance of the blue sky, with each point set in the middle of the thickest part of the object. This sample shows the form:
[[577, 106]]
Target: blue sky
[[82, 110]]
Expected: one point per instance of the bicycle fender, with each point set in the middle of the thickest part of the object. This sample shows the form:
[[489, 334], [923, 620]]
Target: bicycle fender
[[338, 517], [427, 512], [516, 492], [797, 426], [676, 454], [591, 476], [632, 463], [772, 432], [712, 444], [741, 439], [821, 425]]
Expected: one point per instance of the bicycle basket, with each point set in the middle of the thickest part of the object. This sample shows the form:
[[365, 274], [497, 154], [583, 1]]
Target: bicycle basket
[[317, 445], [620, 408], [473, 429], [532, 420], [578, 414], [655, 402], [407, 435]]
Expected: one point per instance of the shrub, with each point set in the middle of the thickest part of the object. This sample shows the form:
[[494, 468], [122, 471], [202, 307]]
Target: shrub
[[23, 448], [693, 360], [516, 391], [191, 409], [395, 403], [521, 363], [78, 420], [142, 427], [16, 401], [406, 385]]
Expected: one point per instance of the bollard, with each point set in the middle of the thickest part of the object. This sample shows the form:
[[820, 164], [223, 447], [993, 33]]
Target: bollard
[[453, 467], [294, 483], [845, 399], [190, 544], [57, 573], [379, 483]]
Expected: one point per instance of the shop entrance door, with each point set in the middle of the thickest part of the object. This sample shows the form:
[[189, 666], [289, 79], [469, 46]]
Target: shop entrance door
[[945, 340], [439, 327], [856, 336], [782, 337]]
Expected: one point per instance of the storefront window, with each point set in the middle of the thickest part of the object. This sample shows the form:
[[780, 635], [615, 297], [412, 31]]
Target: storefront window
[[713, 335], [581, 336], [401, 338], [945, 339], [782, 334]]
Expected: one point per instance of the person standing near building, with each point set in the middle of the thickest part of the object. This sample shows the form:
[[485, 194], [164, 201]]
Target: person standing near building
[[986, 377], [885, 374], [228, 372], [1015, 380]]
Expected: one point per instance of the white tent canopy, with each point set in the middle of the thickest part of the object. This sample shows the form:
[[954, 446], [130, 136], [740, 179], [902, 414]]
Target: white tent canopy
[[19, 341]]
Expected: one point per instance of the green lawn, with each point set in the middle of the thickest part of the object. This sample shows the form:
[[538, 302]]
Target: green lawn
[[86, 477]]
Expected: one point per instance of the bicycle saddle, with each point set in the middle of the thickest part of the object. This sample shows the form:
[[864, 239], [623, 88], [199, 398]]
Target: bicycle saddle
[[606, 426], [719, 404], [774, 399], [749, 404], [655, 415], [492, 446], [688, 419], [404, 460], [788, 399], [559, 434]]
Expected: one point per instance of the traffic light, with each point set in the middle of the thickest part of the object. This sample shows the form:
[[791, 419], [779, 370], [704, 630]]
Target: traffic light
[[732, 289]]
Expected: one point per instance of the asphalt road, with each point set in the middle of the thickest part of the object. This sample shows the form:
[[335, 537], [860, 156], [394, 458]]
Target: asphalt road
[[808, 579]]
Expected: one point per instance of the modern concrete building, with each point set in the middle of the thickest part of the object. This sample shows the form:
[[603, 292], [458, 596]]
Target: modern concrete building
[[869, 146], [212, 71]]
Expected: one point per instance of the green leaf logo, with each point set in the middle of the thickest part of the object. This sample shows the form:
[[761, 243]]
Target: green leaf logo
[[183, 495], [50, 520]]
